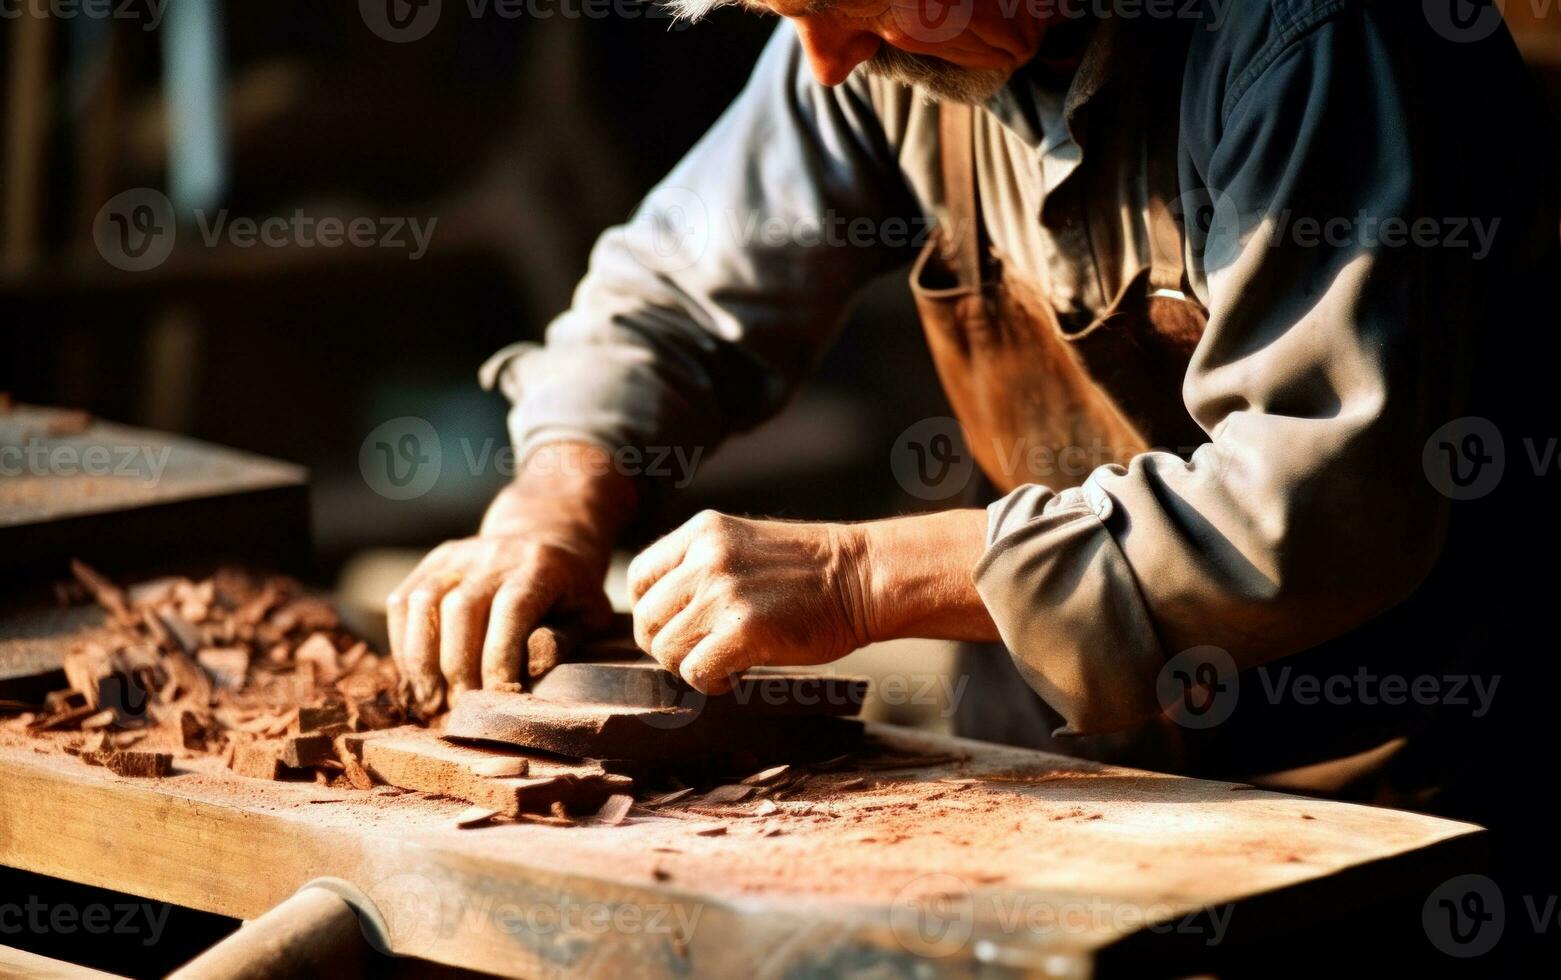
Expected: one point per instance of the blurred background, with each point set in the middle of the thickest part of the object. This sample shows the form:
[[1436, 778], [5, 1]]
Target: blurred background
[[523, 128]]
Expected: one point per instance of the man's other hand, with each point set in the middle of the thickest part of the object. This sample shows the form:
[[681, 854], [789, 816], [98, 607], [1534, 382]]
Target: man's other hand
[[462, 618], [722, 594]]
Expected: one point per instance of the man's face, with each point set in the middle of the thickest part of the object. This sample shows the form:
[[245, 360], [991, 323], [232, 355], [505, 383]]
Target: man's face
[[960, 50]]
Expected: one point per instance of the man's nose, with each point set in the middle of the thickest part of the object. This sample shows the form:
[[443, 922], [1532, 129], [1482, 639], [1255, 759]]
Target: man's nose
[[833, 51]]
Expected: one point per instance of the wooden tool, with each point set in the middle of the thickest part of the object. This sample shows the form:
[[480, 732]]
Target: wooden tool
[[761, 690], [687, 735]]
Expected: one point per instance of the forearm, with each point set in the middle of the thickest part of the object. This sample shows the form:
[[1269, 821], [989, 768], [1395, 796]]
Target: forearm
[[569, 488], [917, 577]]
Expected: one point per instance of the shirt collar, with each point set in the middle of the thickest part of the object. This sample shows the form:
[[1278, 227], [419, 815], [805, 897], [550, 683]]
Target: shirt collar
[[1041, 110]]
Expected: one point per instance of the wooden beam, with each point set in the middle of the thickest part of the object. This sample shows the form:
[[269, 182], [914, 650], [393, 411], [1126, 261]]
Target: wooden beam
[[834, 871]]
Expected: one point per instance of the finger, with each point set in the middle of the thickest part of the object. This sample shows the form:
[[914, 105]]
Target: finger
[[463, 625], [396, 623], [517, 608], [710, 666], [654, 610], [650, 565], [678, 638], [422, 639]]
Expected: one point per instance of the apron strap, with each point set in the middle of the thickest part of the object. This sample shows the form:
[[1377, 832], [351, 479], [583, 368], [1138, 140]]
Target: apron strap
[[957, 148], [1162, 145]]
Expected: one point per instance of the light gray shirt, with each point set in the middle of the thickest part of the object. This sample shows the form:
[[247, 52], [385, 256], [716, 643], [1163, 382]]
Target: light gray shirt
[[1358, 228]]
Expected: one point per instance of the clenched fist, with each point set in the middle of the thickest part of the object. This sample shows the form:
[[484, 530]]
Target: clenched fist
[[462, 618], [721, 594]]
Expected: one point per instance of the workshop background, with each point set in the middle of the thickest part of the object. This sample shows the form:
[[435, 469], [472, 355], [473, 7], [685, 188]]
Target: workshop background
[[524, 129]]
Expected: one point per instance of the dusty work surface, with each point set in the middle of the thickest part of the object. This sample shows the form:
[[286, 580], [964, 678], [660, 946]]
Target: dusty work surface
[[1014, 856]]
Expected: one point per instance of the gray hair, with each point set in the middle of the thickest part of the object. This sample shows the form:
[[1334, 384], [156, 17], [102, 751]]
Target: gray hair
[[693, 10]]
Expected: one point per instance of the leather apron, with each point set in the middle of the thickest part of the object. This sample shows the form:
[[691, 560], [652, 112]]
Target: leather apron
[[1029, 394]]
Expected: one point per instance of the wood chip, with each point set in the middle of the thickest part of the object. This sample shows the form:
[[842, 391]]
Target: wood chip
[[476, 816], [711, 830], [768, 777], [501, 768], [765, 808], [135, 764], [319, 651], [228, 666], [257, 760], [550, 821], [356, 774], [666, 799], [732, 793], [615, 809], [318, 718], [106, 593], [302, 751]]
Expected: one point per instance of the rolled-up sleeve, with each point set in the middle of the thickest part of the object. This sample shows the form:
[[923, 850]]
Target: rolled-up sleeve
[[699, 316], [1318, 379]]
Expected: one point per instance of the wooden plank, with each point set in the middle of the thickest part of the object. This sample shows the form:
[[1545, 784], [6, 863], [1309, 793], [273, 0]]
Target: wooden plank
[[1005, 831], [420, 760], [20, 963], [102, 493]]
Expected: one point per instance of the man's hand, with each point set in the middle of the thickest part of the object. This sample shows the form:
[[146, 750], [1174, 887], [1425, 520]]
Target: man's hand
[[722, 594], [462, 618]]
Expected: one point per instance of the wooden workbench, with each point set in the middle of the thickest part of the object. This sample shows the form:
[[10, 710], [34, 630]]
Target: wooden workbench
[[1007, 857]]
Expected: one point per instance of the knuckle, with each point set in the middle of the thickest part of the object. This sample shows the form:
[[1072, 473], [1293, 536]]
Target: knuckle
[[458, 601]]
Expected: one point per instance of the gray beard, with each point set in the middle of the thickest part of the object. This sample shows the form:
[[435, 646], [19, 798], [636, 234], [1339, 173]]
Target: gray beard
[[942, 80]]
